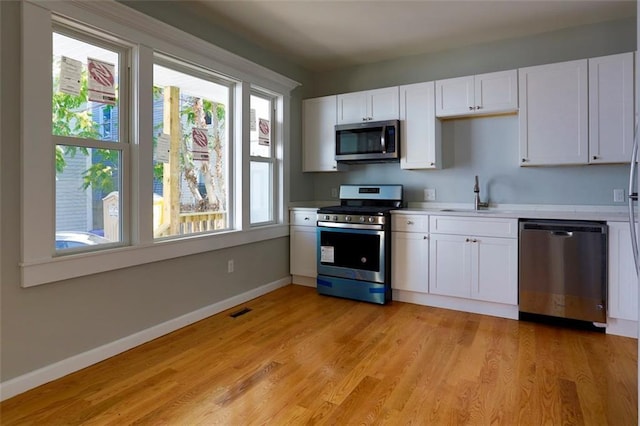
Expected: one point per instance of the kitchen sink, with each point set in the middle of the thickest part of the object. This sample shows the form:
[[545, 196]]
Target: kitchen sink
[[481, 211], [465, 211]]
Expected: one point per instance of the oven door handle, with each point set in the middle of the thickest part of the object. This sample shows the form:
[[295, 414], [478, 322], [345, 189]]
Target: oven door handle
[[373, 227]]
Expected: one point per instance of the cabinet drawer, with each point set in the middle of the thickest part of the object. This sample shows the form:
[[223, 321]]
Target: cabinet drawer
[[482, 226], [306, 217], [410, 222]]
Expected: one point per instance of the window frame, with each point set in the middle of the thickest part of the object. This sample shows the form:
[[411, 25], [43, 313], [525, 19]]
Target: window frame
[[179, 65], [273, 159], [147, 37], [123, 142]]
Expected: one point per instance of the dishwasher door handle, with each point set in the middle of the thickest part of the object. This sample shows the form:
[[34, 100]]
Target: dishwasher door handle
[[565, 234]]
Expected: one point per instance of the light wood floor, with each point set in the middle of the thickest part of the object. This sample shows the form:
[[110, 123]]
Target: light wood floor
[[301, 358]]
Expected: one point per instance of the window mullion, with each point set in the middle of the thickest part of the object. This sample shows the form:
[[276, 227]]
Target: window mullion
[[142, 147], [242, 173]]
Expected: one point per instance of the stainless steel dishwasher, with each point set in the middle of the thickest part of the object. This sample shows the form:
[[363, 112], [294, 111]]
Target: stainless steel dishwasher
[[563, 269]]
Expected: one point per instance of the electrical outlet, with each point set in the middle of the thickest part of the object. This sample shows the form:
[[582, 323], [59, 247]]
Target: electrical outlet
[[618, 195], [429, 194], [230, 266], [334, 192]]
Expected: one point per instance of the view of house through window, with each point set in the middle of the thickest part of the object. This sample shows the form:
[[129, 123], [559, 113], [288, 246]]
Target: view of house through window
[[191, 111], [262, 158], [88, 145]]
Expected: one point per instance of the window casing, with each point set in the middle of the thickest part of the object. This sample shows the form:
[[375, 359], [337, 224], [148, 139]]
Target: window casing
[[263, 160], [192, 113], [141, 42], [90, 87]]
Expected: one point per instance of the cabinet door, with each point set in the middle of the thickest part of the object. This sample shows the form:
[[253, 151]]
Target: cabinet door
[[302, 247], [318, 134], [449, 265], [494, 269], [383, 104], [410, 261], [454, 96], [623, 283], [611, 108], [420, 130], [352, 107], [496, 92], [553, 114]]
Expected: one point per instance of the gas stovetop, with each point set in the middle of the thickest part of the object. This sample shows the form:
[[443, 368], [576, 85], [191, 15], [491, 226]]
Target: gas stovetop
[[368, 210], [363, 204]]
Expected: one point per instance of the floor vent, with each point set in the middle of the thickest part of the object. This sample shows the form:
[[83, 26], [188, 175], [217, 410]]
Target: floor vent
[[240, 312]]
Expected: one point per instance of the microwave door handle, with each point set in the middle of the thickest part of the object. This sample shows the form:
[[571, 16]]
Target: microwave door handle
[[384, 142]]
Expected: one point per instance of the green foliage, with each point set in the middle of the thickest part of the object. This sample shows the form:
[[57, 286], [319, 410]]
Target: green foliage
[[71, 118]]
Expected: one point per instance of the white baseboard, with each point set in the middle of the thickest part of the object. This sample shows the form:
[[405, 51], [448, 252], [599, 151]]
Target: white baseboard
[[305, 281], [620, 327], [77, 362], [457, 304]]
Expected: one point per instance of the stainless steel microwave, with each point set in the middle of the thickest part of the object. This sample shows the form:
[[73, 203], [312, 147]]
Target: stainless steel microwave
[[370, 142]]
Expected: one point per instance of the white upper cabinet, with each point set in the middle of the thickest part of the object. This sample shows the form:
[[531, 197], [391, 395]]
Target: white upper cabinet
[[553, 114], [318, 134], [455, 96], [491, 93], [371, 105], [419, 131], [611, 108]]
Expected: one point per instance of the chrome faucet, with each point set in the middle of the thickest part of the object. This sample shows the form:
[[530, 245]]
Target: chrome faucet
[[477, 205]]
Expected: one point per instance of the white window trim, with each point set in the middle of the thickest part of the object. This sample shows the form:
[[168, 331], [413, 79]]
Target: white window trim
[[38, 265], [274, 160]]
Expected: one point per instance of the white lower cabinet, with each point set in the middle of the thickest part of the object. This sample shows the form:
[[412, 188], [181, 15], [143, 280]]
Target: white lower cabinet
[[473, 266], [410, 253], [623, 283], [302, 243]]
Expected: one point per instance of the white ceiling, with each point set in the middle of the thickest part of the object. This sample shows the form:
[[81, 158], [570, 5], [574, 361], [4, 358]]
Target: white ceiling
[[329, 34]]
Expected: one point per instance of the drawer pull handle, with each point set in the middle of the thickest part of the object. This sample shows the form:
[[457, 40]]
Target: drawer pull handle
[[409, 222]]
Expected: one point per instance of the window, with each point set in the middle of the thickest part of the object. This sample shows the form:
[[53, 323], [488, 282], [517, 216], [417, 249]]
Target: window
[[86, 83], [136, 143], [191, 109], [262, 155]]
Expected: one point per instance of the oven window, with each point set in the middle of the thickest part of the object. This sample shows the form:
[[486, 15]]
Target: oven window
[[350, 250]]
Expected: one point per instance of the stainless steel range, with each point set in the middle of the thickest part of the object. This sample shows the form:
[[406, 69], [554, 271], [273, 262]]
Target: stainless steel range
[[354, 243]]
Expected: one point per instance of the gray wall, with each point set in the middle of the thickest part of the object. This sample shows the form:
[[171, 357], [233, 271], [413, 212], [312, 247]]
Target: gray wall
[[487, 147], [48, 323]]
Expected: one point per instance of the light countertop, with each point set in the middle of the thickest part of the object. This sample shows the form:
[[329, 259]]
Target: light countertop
[[511, 211]]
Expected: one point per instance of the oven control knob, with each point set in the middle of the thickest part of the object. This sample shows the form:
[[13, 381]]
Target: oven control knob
[[361, 218], [372, 219], [327, 217], [335, 218], [347, 218]]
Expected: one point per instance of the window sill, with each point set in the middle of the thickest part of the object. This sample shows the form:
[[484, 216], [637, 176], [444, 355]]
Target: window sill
[[77, 265]]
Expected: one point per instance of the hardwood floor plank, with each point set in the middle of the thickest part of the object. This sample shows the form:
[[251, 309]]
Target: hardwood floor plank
[[300, 358]]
